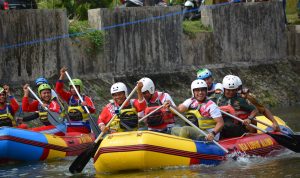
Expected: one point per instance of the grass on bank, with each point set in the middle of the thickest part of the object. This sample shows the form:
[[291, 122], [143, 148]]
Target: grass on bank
[[191, 28], [95, 37], [292, 12]]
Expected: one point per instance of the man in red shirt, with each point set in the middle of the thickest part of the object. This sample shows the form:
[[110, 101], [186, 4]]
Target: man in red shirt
[[127, 117], [44, 92], [76, 111], [162, 120]]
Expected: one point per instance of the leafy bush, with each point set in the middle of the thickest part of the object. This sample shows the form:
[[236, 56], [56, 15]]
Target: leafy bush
[[190, 28], [82, 29], [75, 8]]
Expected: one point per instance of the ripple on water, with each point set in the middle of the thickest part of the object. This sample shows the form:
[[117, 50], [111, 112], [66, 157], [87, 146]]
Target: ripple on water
[[283, 165]]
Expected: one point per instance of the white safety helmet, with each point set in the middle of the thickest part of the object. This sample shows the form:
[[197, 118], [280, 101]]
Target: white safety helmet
[[230, 82], [239, 81], [198, 83], [148, 85], [219, 86], [228, 76], [137, 2], [189, 4], [118, 87]]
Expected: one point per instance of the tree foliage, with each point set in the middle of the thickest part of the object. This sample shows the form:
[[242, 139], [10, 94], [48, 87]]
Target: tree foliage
[[76, 8]]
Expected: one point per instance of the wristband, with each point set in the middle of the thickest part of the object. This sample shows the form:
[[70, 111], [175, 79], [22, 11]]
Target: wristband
[[214, 133], [250, 118], [101, 124]]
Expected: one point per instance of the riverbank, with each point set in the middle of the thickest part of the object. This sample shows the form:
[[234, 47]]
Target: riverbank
[[275, 84]]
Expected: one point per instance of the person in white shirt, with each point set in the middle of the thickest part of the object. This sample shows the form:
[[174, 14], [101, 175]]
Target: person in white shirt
[[202, 112]]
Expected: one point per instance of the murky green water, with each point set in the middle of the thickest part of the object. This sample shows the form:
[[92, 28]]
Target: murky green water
[[284, 165]]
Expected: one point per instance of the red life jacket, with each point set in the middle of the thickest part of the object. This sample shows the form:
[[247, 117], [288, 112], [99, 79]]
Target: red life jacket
[[242, 114], [161, 118]]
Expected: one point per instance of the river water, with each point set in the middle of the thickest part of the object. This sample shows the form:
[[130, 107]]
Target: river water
[[286, 164]]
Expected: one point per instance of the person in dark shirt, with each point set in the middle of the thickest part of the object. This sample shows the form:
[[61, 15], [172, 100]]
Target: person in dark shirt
[[242, 109]]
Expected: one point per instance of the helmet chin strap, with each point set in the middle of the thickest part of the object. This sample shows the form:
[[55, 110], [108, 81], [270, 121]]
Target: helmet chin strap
[[151, 95]]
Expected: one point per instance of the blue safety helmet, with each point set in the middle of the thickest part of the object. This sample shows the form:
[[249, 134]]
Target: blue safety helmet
[[41, 80], [203, 74]]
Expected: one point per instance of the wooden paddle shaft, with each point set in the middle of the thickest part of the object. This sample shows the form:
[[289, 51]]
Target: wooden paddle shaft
[[81, 99], [234, 117], [54, 121], [158, 108], [193, 125], [37, 98], [263, 123]]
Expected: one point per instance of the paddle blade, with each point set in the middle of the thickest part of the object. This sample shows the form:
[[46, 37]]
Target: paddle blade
[[286, 141], [94, 126], [296, 137], [54, 119], [81, 161]]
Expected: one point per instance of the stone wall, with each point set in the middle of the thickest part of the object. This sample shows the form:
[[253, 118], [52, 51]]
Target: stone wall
[[242, 43], [198, 50], [145, 41], [29, 46], [246, 32], [142, 41], [293, 36]]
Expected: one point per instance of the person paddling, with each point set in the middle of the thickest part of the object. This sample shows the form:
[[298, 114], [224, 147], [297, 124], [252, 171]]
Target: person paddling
[[76, 111], [162, 120], [202, 112], [39, 81], [127, 118], [42, 80], [44, 92], [8, 110], [245, 93], [241, 107]]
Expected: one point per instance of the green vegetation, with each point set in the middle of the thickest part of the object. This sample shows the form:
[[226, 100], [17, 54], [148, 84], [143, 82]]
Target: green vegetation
[[291, 6], [291, 12], [76, 8], [83, 30], [191, 28]]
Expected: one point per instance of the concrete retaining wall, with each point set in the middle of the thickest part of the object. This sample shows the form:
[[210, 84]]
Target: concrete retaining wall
[[28, 49], [246, 32], [293, 36], [147, 46]]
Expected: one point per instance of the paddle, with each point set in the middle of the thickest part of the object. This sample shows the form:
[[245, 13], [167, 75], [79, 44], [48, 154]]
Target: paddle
[[158, 108], [54, 95], [143, 118], [268, 125], [201, 131], [93, 124], [297, 137], [283, 140], [81, 161], [53, 117]]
